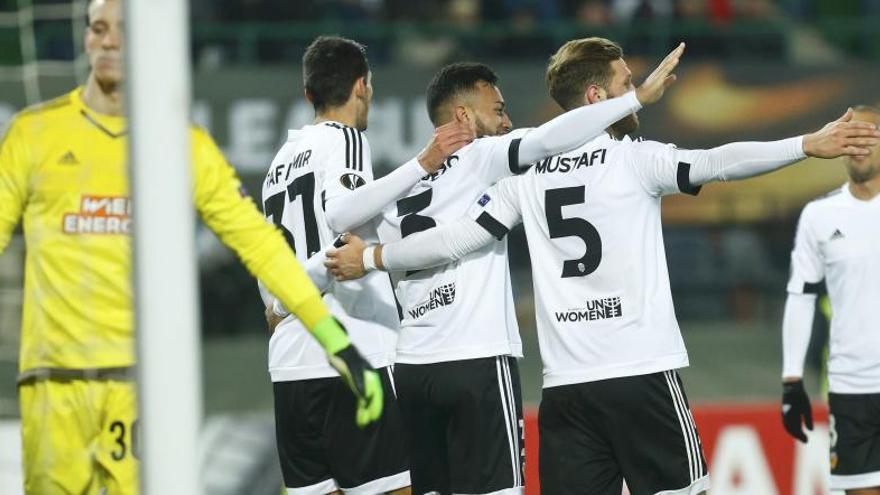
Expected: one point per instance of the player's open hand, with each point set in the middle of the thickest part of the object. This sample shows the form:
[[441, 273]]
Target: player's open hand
[[842, 137], [655, 85], [347, 262], [447, 139]]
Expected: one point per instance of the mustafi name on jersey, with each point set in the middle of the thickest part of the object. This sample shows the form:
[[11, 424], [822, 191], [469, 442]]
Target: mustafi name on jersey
[[564, 164]]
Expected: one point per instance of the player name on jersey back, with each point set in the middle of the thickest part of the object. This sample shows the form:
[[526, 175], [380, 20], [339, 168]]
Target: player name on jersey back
[[569, 163]]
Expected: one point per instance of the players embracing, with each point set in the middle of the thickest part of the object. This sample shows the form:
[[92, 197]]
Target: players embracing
[[455, 379], [613, 405]]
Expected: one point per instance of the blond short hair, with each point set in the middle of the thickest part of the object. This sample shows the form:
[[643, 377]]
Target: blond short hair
[[578, 64]]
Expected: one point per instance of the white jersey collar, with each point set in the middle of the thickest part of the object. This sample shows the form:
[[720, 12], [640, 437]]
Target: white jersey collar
[[875, 201]]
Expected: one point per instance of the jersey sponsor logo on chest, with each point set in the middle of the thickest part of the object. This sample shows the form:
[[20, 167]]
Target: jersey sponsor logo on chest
[[565, 164], [438, 298], [99, 215], [596, 309]]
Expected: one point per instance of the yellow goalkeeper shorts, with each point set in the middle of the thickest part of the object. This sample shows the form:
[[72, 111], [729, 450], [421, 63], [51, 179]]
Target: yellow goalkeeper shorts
[[79, 436]]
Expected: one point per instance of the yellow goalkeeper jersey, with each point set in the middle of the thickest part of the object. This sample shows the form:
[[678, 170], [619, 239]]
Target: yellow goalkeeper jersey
[[63, 173]]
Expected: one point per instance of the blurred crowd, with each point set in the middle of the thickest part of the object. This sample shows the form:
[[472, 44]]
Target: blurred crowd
[[468, 12]]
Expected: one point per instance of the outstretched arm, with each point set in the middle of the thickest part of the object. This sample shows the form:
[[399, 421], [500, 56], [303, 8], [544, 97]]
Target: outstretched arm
[[426, 249], [665, 169], [353, 208], [489, 220]]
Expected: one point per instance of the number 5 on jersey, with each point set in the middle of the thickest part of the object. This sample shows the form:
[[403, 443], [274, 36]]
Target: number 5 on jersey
[[559, 227]]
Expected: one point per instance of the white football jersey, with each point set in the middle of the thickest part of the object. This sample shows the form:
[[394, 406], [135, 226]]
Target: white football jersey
[[317, 163], [464, 309], [592, 219], [838, 240]]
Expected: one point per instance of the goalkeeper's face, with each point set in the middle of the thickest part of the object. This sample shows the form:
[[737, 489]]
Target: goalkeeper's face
[[103, 41]]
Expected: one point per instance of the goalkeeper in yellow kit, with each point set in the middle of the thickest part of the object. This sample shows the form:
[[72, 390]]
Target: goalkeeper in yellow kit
[[63, 173]]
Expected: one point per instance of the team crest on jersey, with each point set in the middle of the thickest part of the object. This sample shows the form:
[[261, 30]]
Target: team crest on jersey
[[484, 200], [439, 297], [596, 309], [352, 181], [99, 215]]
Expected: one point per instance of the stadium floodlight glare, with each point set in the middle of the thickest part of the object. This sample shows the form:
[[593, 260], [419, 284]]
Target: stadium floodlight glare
[[170, 395]]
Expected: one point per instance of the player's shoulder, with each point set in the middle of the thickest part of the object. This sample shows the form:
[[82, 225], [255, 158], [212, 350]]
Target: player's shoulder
[[198, 132], [62, 102], [482, 147], [642, 145], [832, 198], [824, 203], [335, 131], [47, 110], [201, 139]]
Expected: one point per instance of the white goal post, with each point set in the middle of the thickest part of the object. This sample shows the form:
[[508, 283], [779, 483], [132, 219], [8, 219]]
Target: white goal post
[[166, 307]]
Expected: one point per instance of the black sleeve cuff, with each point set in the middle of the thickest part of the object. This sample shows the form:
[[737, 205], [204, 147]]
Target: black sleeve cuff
[[684, 180], [492, 226], [816, 288], [513, 157]]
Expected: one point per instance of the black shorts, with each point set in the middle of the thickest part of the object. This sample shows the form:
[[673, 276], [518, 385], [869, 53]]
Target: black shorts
[[854, 427], [464, 420], [322, 449], [595, 435]]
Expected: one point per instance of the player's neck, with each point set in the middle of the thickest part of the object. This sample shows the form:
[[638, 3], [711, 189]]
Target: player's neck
[[345, 115], [102, 98], [867, 190], [616, 135]]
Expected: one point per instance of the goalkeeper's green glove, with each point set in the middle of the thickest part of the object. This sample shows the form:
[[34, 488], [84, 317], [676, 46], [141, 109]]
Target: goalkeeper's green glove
[[361, 378]]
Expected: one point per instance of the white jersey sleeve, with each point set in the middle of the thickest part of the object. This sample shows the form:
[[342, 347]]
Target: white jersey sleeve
[[807, 266], [498, 156], [498, 210], [807, 273], [665, 169], [797, 325], [452, 241]]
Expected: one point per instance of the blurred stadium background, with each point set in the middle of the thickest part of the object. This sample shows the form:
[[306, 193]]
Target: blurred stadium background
[[754, 69]]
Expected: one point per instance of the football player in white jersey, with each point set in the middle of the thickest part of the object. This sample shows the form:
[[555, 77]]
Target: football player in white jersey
[[838, 242], [456, 374], [613, 406], [321, 183]]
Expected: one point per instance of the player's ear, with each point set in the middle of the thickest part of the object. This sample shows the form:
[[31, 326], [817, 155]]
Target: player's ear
[[360, 87], [461, 114], [594, 94], [308, 96]]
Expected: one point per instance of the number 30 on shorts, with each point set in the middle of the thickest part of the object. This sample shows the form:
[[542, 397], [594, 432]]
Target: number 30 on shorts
[[126, 439]]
